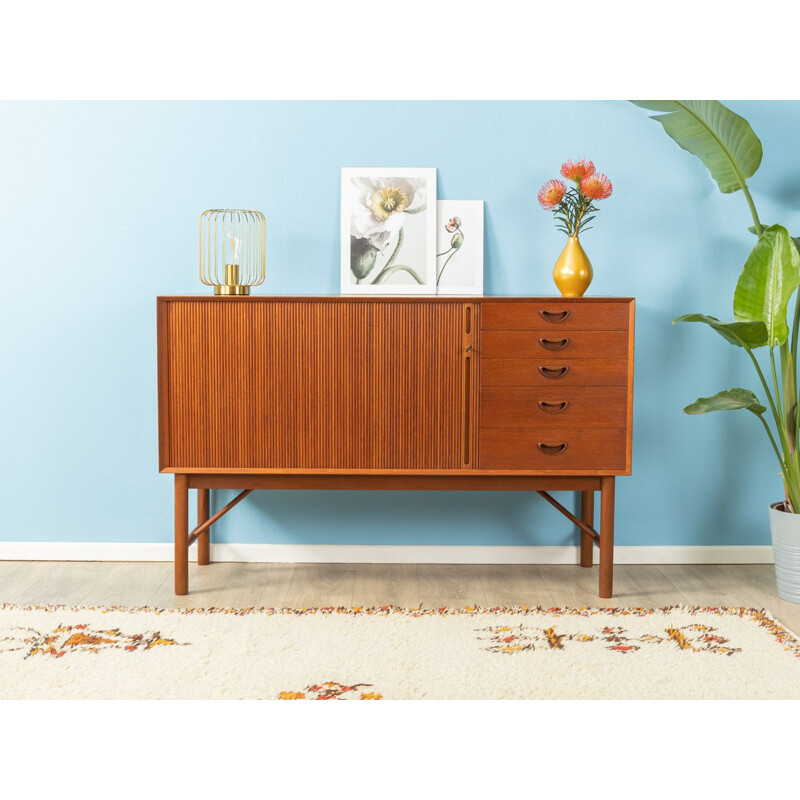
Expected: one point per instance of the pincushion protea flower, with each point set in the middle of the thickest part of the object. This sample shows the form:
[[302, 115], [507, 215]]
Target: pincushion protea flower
[[572, 208], [551, 194], [596, 187], [577, 170]]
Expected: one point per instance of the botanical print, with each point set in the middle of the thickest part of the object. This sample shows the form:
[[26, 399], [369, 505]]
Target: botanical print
[[388, 231], [459, 247]]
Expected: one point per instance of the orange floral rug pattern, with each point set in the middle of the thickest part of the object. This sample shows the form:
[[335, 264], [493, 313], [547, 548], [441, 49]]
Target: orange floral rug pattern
[[689, 638], [387, 652], [65, 639], [761, 617], [331, 690]]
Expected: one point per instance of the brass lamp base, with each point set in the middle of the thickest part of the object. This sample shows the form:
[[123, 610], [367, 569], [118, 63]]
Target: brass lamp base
[[231, 289]]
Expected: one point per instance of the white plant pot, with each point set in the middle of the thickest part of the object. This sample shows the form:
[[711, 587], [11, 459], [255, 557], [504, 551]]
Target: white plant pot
[[785, 529]]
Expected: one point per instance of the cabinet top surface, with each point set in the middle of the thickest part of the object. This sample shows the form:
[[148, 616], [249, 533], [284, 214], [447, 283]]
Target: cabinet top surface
[[393, 298]]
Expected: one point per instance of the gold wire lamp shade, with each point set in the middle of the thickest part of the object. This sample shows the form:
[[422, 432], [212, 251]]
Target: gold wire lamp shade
[[232, 250]]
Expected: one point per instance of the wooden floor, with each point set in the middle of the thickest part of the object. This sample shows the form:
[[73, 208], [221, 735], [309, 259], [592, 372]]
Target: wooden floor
[[411, 585]]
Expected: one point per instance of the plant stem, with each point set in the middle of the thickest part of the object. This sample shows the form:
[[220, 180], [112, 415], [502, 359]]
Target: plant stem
[[771, 402], [583, 208], [778, 399], [793, 348], [387, 271], [400, 237], [753, 212], [774, 444], [789, 402], [439, 276]]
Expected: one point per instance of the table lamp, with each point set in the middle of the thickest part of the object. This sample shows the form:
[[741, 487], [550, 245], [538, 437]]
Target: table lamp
[[232, 250]]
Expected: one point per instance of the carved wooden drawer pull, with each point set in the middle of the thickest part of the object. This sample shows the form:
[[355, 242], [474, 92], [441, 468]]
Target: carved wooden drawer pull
[[553, 372], [554, 316], [553, 344], [552, 449], [553, 408]]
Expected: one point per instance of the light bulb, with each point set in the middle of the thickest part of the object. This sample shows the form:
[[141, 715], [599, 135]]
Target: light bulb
[[234, 246]]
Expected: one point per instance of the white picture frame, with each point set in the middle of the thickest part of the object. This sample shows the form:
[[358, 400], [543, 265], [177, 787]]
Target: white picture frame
[[459, 247], [386, 250]]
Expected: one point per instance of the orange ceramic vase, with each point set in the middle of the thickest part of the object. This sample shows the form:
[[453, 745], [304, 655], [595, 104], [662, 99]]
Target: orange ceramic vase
[[573, 270]]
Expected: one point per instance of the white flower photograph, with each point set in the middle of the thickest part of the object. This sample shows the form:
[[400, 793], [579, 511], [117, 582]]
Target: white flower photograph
[[459, 247], [388, 231]]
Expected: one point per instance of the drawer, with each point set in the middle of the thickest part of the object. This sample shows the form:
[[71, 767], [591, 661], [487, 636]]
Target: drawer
[[522, 407], [556, 316], [551, 373], [552, 344], [554, 449]]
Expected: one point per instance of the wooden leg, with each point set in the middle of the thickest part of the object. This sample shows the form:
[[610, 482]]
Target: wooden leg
[[587, 516], [204, 540], [181, 534], [606, 536]]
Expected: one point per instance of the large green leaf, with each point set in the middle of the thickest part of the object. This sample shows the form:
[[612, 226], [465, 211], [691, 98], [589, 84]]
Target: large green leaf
[[722, 140], [769, 278], [795, 239], [727, 400], [742, 334]]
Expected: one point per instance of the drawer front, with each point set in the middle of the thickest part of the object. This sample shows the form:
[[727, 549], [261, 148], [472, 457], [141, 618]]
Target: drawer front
[[567, 449], [552, 374], [543, 408], [553, 344], [555, 316]]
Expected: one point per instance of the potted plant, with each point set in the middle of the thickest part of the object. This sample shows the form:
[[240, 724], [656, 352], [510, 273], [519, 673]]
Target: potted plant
[[732, 152]]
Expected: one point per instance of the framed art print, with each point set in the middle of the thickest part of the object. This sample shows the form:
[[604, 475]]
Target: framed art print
[[459, 247], [388, 231]]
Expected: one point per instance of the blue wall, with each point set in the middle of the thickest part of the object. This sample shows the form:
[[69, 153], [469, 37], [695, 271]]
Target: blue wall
[[98, 213]]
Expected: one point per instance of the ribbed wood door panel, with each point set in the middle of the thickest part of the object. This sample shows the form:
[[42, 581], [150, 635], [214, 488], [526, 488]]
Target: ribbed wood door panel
[[313, 385]]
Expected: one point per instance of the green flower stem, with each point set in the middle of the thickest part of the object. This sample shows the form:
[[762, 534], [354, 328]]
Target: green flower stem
[[400, 236], [392, 258], [572, 209], [439, 276], [387, 271]]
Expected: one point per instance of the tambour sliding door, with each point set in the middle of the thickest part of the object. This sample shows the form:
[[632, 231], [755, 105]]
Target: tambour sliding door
[[316, 384]]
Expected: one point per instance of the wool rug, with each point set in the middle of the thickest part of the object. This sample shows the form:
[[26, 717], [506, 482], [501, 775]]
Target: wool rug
[[391, 653]]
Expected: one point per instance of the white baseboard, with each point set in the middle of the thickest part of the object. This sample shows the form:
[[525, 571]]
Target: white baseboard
[[385, 554]]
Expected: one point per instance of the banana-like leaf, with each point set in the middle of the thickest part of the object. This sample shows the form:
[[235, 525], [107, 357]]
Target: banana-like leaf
[[768, 280], [722, 140], [742, 334], [795, 239], [727, 400]]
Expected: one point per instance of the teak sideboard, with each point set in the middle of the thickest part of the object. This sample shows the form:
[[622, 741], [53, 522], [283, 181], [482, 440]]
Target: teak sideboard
[[522, 393]]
